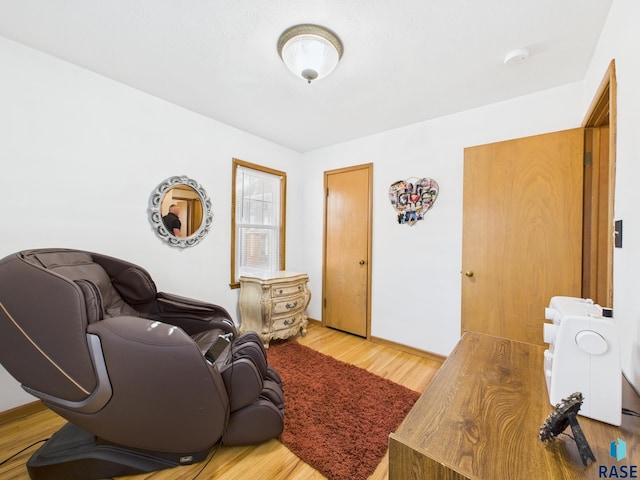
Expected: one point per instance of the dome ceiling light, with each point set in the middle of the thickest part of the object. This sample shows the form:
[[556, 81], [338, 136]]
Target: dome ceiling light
[[309, 51]]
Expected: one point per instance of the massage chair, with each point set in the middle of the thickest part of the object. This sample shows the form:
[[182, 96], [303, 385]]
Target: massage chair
[[145, 380]]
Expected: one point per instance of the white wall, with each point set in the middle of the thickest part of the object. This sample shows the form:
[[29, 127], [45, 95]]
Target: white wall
[[80, 156], [620, 40], [416, 284]]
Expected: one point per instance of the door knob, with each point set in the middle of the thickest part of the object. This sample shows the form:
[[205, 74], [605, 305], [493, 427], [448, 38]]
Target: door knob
[[361, 262], [469, 273]]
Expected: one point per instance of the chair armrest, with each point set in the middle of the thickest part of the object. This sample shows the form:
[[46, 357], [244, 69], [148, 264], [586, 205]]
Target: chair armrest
[[157, 372], [171, 302], [191, 315]]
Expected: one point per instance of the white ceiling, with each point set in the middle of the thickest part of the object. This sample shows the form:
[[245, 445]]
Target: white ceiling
[[404, 61]]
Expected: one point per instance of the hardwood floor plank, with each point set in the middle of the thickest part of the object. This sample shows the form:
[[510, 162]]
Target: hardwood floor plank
[[268, 461]]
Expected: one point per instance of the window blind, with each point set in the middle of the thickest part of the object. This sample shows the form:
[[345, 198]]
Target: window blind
[[257, 221]]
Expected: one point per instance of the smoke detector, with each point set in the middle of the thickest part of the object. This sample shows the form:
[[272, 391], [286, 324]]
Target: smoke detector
[[516, 57]]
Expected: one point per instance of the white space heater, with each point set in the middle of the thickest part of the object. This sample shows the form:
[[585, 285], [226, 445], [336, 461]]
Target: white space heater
[[583, 356]]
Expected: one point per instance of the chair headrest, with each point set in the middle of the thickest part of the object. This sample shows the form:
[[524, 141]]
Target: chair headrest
[[79, 266]]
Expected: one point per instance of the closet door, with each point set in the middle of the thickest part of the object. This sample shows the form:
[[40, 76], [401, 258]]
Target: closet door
[[522, 232], [347, 249]]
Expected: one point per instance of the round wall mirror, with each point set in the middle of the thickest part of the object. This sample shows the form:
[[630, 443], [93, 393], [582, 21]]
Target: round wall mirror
[[180, 211]]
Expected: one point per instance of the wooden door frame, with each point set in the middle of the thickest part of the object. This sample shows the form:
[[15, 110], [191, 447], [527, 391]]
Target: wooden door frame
[[369, 168], [598, 235]]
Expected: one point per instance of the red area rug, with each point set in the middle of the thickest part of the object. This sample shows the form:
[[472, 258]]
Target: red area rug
[[337, 416]]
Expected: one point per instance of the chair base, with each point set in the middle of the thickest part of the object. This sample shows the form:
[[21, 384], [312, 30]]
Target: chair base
[[73, 453]]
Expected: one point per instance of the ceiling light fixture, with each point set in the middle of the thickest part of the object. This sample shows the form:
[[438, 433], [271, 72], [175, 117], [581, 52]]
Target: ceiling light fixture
[[310, 51]]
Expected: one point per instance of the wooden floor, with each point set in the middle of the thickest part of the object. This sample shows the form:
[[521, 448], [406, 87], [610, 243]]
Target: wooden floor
[[268, 461]]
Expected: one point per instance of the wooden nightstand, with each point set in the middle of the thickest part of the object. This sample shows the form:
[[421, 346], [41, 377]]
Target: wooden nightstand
[[274, 304]]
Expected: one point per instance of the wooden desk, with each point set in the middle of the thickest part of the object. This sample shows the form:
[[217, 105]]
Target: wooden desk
[[480, 417]]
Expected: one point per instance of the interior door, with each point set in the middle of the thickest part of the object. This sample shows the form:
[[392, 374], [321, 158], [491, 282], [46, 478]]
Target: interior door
[[522, 232], [347, 249]]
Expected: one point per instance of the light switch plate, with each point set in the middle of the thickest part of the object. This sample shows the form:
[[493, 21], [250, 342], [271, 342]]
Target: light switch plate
[[617, 233]]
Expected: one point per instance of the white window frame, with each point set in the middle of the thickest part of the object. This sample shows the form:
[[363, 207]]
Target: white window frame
[[276, 230]]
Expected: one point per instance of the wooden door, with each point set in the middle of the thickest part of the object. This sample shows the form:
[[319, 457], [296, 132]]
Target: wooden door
[[522, 232], [347, 249]]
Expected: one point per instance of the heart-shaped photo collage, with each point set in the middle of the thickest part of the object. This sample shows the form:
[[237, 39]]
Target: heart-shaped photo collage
[[412, 198]]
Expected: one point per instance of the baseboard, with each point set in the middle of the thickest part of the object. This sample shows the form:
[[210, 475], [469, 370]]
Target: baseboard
[[21, 411], [398, 346], [405, 348]]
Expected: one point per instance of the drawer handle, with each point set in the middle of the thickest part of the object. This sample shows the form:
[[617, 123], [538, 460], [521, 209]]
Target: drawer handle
[[290, 322], [292, 305]]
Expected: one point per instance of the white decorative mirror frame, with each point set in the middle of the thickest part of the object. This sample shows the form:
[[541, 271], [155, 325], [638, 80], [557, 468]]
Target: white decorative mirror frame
[[156, 213]]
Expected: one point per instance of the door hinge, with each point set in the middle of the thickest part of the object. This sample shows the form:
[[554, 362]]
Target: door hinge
[[588, 158], [325, 303], [327, 192]]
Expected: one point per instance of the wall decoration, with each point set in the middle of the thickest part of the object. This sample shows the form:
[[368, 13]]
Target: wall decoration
[[412, 198], [193, 211]]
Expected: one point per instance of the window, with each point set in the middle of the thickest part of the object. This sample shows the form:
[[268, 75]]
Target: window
[[258, 220]]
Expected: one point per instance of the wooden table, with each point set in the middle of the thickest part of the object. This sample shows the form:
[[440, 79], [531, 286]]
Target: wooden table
[[480, 417]]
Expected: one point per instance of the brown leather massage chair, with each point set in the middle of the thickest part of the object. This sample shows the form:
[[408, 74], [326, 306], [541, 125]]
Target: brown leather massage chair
[[146, 380]]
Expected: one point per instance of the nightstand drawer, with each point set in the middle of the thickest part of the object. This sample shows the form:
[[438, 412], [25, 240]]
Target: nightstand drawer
[[288, 305], [285, 290], [285, 322]]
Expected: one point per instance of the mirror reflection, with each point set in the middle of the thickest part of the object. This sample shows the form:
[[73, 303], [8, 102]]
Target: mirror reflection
[[180, 211]]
